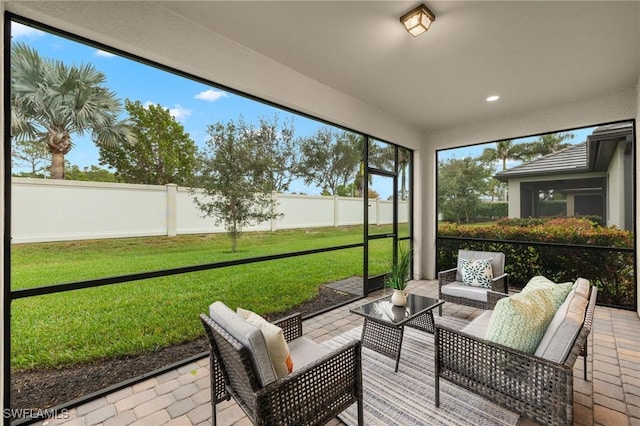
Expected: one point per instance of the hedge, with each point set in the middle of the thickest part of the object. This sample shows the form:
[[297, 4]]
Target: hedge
[[486, 211], [601, 261]]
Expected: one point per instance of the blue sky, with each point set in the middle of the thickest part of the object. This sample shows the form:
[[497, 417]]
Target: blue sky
[[193, 104], [580, 135]]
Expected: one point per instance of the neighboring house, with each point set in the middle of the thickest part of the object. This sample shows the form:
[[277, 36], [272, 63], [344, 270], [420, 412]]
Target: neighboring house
[[594, 177]]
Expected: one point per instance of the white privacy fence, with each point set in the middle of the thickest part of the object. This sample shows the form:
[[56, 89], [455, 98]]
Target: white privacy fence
[[50, 210]]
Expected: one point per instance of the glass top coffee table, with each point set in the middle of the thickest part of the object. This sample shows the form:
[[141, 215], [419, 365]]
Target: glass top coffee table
[[384, 323]]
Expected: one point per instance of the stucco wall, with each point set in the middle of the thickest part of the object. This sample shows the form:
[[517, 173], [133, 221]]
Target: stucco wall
[[637, 182], [615, 189], [514, 188]]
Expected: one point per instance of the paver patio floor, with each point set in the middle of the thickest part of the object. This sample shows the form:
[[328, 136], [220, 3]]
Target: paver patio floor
[[181, 397]]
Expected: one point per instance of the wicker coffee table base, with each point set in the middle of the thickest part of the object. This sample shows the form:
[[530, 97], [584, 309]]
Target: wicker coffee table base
[[386, 339]]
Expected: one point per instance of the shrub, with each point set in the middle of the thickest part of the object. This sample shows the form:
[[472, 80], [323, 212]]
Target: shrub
[[493, 210], [482, 212], [553, 252]]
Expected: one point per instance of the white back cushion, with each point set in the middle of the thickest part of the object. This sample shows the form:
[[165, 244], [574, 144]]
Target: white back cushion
[[563, 329], [249, 336]]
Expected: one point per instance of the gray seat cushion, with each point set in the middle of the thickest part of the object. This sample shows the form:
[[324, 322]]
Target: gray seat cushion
[[305, 351], [458, 289], [249, 336], [478, 327]]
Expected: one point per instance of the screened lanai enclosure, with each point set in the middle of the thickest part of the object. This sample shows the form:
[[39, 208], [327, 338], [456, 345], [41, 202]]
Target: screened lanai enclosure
[[277, 156]]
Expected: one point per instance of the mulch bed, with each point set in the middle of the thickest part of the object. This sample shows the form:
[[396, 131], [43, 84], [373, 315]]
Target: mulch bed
[[46, 388]]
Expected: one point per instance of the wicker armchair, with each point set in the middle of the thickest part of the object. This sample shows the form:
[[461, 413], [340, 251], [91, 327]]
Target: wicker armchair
[[451, 289], [531, 386], [312, 395]]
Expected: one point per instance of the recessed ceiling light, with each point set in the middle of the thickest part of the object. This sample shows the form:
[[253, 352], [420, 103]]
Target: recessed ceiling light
[[493, 98]]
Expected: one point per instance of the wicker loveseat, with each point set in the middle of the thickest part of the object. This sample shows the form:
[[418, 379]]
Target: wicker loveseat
[[322, 384], [538, 386]]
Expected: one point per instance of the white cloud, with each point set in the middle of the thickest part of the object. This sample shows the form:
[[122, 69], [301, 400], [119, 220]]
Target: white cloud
[[211, 95], [18, 31], [104, 54], [179, 113]]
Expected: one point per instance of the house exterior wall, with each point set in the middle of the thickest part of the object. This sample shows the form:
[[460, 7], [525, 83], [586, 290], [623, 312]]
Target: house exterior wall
[[515, 193], [615, 189], [571, 205], [513, 189]]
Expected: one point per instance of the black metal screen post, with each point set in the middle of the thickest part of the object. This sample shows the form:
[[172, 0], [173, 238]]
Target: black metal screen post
[[6, 258], [365, 215]]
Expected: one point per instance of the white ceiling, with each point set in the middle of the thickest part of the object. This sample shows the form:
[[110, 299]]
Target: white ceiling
[[532, 54]]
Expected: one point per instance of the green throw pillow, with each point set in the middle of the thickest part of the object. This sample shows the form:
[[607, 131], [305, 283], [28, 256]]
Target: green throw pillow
[[520, 321], [556, 292]]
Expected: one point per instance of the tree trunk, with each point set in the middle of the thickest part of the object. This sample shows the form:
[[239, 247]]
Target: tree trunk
[[58, 144], [57, 165]]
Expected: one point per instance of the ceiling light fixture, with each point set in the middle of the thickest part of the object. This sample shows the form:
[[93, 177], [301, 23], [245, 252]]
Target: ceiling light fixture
[[418, 20], [493, 98]]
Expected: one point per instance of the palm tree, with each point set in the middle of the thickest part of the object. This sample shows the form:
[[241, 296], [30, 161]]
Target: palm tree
[[51, 101], [504, 150], [403, 164], [550, 143]]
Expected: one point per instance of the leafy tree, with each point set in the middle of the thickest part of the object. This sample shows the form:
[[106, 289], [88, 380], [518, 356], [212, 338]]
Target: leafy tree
[[381, 155], [346, 190], [351, 189], [373, 194], [32, 154], [51, 101], [276, 149], [330, 158], [232, 180], [461, 183], [163, 153], [92, 173]]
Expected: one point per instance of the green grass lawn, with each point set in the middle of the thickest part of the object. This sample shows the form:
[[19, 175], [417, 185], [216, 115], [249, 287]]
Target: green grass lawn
[[124, 319]]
